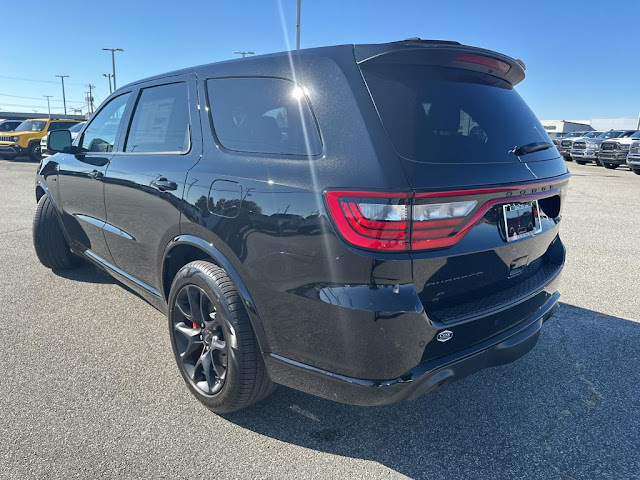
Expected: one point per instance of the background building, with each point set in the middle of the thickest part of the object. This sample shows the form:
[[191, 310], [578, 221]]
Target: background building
[[555, 128]]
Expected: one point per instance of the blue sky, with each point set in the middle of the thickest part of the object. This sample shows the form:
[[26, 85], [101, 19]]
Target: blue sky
[[581, 55]]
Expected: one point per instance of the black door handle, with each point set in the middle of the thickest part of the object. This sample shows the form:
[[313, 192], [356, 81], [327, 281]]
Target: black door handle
[[96, 175], [163, 184]]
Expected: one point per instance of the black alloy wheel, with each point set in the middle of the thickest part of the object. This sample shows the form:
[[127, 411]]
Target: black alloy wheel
[[213, 341], [200, 340]]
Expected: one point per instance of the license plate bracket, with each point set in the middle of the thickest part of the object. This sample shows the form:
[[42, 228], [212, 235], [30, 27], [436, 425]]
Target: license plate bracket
[[521, 220]]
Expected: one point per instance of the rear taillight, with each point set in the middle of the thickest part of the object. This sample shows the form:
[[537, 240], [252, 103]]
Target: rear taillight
[[486, 61], [420, 221], [434, 223], [372, 220]]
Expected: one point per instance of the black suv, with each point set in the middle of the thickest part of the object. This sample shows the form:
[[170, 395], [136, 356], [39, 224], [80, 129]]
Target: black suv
[[360, 222]]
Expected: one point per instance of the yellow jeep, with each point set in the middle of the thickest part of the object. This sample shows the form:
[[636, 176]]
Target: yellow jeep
[[25, 140]]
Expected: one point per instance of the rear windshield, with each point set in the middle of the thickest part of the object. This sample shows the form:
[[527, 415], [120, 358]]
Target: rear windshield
[[447, 115]]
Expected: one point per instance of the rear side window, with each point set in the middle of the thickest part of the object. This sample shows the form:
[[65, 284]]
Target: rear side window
[[263, 115], [448, 115], [161, 120]]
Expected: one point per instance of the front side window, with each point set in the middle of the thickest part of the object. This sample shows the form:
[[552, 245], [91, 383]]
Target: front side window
[[263, 115], [161, 120], [32, 126], [100, 135]]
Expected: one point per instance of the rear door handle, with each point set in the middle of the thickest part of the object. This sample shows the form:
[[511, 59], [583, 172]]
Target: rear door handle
[[163, 184]]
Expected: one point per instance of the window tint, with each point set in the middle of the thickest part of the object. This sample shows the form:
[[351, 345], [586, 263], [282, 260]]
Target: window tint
[[101, 133], [76, 127], [263, 115], [60, 125], [447, 115], [161, 119]]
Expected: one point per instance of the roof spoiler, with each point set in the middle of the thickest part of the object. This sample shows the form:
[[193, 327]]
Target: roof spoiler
[[444, 53]]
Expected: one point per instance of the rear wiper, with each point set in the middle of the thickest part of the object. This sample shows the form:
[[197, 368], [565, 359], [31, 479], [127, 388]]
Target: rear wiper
[[530, 148]]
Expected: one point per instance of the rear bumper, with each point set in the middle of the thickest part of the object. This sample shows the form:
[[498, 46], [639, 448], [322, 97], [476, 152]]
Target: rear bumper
[[425, 377]]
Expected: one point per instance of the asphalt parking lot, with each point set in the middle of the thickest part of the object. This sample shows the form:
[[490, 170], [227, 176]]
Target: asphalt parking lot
[[89, 387]]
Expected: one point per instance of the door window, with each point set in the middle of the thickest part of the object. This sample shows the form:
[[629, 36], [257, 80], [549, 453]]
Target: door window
[[160, 121], [100, 135], [263, 115]]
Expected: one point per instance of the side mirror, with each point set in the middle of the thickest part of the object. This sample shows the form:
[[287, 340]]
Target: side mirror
[[59, 141]]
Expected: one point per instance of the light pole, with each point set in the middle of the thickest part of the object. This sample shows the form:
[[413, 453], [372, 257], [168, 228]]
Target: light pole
[[244, 54], [108, 77], [90, 98], [48, 106], [64, 99], [113, 62], [298, 27]]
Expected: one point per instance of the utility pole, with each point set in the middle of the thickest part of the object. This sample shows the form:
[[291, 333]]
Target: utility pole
[[298, 28], [244, 54], [90, 98], [48, 105], [113, 62], [64, 99], [108, 77]]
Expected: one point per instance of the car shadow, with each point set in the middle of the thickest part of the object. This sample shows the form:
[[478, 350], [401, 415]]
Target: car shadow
[[565, 410], [87, 273]]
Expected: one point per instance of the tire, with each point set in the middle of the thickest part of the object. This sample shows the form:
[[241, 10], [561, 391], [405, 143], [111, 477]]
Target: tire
[[599, 163], [7, 157], [581, 162], [221, 363], [636, 171], [34, 151], [567, 158], [610, 166], [48, 240]]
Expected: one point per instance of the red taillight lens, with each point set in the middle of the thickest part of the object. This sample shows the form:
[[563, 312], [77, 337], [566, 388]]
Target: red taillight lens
[[373, 220], [486, 61], [421, 221]]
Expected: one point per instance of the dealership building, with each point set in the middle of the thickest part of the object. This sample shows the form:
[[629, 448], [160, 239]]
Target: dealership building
[[555, 128]]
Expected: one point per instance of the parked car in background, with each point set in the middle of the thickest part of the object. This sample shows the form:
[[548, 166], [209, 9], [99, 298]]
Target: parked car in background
[[417, 250], [633, 157], [566, 143], [75, 130], [9, 125], [613, 152], [25, 140], [579, 151]]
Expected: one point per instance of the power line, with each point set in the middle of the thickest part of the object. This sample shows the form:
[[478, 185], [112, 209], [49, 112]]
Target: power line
[[37, 98], [22, 79], [43, 107]]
